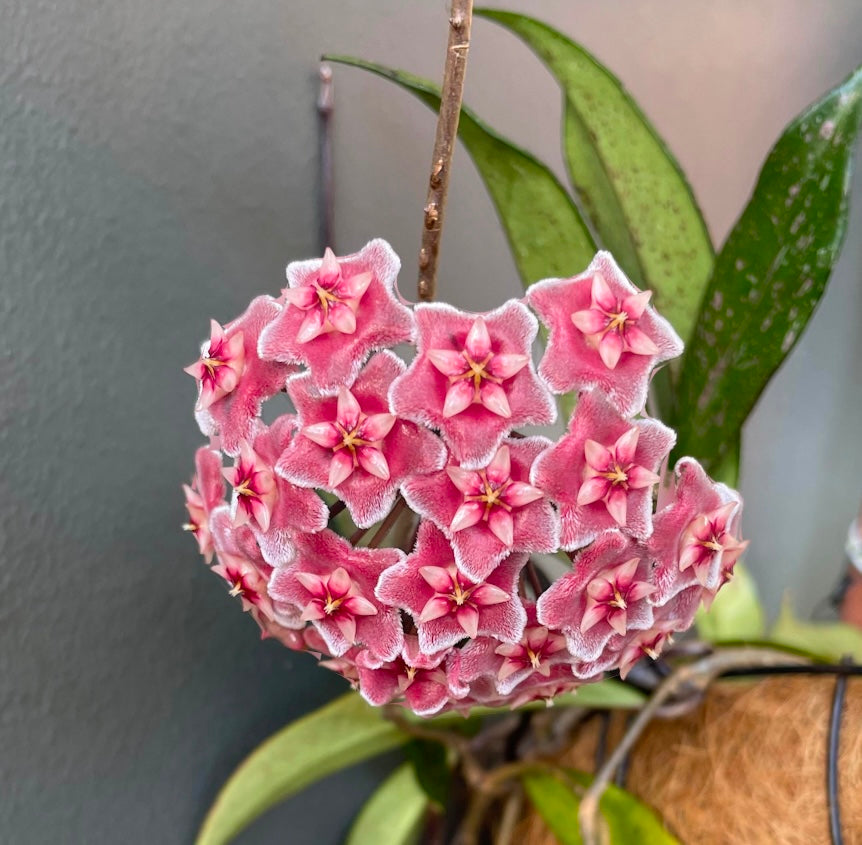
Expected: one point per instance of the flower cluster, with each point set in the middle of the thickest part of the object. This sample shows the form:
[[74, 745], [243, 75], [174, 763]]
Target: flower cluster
[[430, 457]]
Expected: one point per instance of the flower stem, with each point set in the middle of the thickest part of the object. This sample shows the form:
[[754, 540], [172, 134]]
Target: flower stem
[[451, 94]]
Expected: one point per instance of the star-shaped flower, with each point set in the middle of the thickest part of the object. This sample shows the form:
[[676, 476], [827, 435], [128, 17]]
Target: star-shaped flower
[[645, 644], [275, 509], [490, 512], [446, 606], [537, 652], [605, 595], [332, 584], [336, 311], [353, 447], [417, 679], [473, 379], [245, 583], [695, 541], [204, 495], [601, 472], [232, 381], [602, 334]]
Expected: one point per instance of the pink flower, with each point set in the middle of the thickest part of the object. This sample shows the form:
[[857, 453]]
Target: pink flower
[[233, 381], [274, 508], [472, 378], [236, 541], [490, 512], [332, 584], [204, 495], [605, 595], [353, 447], [446, 606], [336, 311], [695, 541], [418, 680], [245, 583], [537, 652], [602, 471], [645, 644], [602, 334]]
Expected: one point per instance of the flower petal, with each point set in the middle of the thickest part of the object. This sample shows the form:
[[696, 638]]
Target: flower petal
[[376, 426], [518, 494], [339, 583], [639, 343], [478, 342], [592, 616], [487, 594], [467, 481], [500, 469], [592, 490], [503, 527], [610, 349], [626, 445], [329, 269], [311, 326], [467, 516], [468, 619], [598, 457], [448, 361], [348, 410], [342, 318], [359, 606], [617, 505], [340, 468], [354, 287], [459, 396], [640, 477], [506, 365], [635, 304], [324, 434], [437, 577], [590, 321], [602, 294], [347, 625], [302, 297], [495, 400], [373, 461], [313, 583], [435, 608]]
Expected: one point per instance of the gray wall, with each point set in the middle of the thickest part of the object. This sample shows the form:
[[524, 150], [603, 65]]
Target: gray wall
[[157, 167]]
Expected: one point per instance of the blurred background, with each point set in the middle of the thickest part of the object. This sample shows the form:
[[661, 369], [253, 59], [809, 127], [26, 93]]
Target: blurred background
[[158, 167]]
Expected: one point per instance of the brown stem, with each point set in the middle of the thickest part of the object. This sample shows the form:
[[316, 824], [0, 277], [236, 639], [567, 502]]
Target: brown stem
[[386, 525], [533, 578], [460, 19], [336, 508], [698, 675]]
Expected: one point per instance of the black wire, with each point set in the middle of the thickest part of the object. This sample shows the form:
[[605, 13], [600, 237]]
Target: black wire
[[832, 760], [842, 669]]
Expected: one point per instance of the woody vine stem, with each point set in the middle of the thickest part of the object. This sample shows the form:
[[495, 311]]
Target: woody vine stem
[[460, 20]]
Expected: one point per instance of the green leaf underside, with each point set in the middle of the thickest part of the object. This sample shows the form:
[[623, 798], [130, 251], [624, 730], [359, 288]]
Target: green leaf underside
[[629, 822], [770, 274], [543, 226], [736, 613], [394, 813], [332, 738], [631, 187], [828, 640]]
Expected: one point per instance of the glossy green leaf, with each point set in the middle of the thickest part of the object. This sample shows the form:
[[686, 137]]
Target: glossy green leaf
[[394, 813], [770, 274], [828, 640], [334, 737], [629, 822], [632, 189], [544, 228], [430, 763], [736, 613]]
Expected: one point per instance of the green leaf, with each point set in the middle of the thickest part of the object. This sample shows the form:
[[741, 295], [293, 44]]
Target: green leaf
[[430, 765], [631, 187], [394, 813], [334, 737], [770, 274], [828, 640], [629, 821], [544, 228], [736, 613]]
